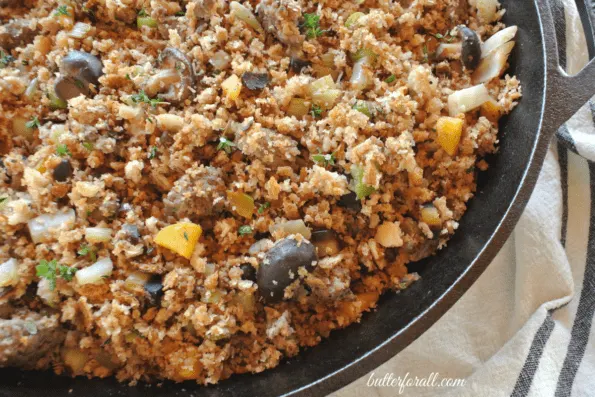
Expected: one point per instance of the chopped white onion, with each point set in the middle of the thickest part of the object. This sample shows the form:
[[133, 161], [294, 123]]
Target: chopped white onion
[[291, 227], [487, 9], [467, 99], [220, 60], [9, 273], [79, 30], [46, 293], [137, 279], [449, 51], [243, 13], [359, 78], [40, 228], [31, 88], [493, 65], [96, 272], [498, 39], [98, 234]]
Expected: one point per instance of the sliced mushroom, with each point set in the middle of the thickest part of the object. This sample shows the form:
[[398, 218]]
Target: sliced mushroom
[[255, 81], [281, 18], [471, 47], [16, 33], [175, 80], [326, 242], [280, 267], [297, 64], [79, 69]]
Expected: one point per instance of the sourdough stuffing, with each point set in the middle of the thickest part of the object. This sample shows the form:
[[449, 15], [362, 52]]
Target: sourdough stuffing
[[133, 165]]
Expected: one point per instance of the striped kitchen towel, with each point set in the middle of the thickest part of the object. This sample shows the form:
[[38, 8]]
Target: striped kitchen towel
[[525, 328]]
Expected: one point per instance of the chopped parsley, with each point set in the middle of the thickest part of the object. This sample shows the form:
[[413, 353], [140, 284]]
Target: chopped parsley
[[143, 13], [152, 152], [225, 144], [324, 159], [425, 51], [5, 59], [390, 79], [128, 76], [263, 207], [33, 123], [3, 199], [142, 97], [88, 146], [244, 230], [61, 10], [180, 13], [186, 236], [48, 270], [62, 150], [25, 62], [316, 111], [85, 250], [311, 26], [439, 36]]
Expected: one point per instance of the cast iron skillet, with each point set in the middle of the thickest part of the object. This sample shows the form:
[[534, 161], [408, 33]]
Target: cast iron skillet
[[549, 98]]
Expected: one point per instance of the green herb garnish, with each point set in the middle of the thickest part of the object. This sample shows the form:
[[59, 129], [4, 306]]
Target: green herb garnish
[[61, 10], [316, 111], [244, 230], [225, 144], [33, 123], [311, 26], [5, 59], [62, 150], [3, 199], [180, 13], [88, 146], [47, 270], [143, 13], [390, 79], [152, 152], [186, 236], [324, 159], [263, 207], [144, 98], [85, 250]]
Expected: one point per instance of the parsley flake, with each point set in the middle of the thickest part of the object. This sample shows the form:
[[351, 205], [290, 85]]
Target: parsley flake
[[324, 159], [390, 79], [143, 13], [61, 10], [48, 270], [88, 146], [5, 59], [85, 250], [62, 150], [3, 199], [311, 26], [316, 111], [263, 207], [142, 97], [33, 123], [225, 144], [152, 152], [186, 236], [244, 230]]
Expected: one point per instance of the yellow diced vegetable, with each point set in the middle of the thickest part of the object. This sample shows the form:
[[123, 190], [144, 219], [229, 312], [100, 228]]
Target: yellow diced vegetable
[[146, 21], [232, 86], [353, 18], [430, 215], [75, 359], [242, 204], [298, 107], [491, 110], [180, 238], [449, 130]]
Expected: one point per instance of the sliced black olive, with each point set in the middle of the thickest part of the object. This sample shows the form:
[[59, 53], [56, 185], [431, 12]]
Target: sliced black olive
[[280, 267], [471, 47], [82, 66], [154, 290], [326, 242], [16, 33], [63, 171], [255, 81], [67, 88], [350, 202], [132, 232], [297, 64], [248, 272], [172, 59]]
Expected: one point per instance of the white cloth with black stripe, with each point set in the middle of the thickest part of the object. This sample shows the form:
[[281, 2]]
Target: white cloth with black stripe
[[525, 328]]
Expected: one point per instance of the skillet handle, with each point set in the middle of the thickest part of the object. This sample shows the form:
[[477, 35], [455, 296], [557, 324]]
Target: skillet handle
[[565, 94]]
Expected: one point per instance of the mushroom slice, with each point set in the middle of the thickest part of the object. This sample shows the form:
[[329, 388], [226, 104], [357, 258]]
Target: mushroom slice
[[470, 47], [67, 88], [493, 65], [255, 81], [498, 39], [82, 66], [175, 79]]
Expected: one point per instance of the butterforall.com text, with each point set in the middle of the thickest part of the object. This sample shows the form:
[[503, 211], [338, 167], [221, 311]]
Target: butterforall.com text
[[407, 381]]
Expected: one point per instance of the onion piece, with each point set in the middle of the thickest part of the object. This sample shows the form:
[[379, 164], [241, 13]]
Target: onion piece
[[498, 39], [9, 273], [19, 128], [487, 9], [40, 227], [359, 78], [493, 65], [291, 227], [96, 272], [80, 30], [326, 99], [48, 295], [449, 51], [98, 234], [467, 99], [31, 88], [220, 60], [136, 279], [244, 14], [298, 107]]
